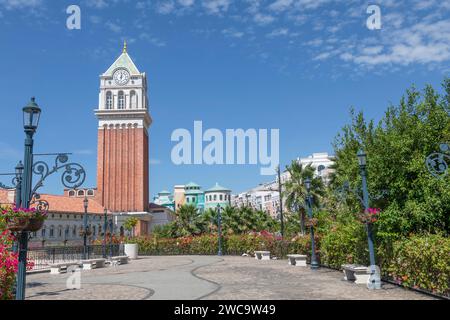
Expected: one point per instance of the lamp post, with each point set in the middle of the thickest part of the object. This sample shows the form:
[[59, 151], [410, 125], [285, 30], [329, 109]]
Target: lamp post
[[374, 282], [105, 226], [85, 227], [31, 115], [280, 192], [314, 263], [110, 238], [219, 225]]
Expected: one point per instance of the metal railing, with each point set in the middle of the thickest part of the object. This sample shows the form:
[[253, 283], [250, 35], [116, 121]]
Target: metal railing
[[42, 258]]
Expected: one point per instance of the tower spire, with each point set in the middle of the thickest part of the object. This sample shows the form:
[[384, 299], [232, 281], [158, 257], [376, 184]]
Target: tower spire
[[125, 46]]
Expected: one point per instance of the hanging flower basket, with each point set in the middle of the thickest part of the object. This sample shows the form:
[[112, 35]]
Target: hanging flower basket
[[21, 219], [34, 224], [17, 224], [370, 216], [311, 222]]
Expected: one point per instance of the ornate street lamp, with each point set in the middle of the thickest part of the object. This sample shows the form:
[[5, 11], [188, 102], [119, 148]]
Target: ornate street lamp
[[110, 238], [18, 182], [31, 115], [73, 176], [374, 282], [314, 263], [105, 227], [85, 228], [219, 225]]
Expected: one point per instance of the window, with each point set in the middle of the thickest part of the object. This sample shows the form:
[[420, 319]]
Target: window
[[109, 101], [221, 197], [133, 99], [74, 231], [71, 193], [93, 231], [215, 197], [43, 231], [121, 104], [90, 192], [81, 193]]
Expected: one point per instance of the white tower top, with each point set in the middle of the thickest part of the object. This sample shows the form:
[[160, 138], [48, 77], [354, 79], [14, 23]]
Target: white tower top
[[123, 96]]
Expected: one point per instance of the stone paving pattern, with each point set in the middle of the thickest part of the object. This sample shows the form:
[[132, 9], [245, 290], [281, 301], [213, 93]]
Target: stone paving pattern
[[210, 278]]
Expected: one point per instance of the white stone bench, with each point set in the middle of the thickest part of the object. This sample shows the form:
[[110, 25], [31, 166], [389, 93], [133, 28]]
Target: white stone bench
[[62, 267], [262, 255], [298, 260], [119, 260], [357, 273], [93, 264]]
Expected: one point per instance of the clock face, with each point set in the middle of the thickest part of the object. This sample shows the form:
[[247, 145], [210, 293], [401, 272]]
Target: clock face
[[121, 77]]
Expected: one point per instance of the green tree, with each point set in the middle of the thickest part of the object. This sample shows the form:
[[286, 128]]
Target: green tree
[[188, 221], [130, 224], [295, 190], [397, 147]]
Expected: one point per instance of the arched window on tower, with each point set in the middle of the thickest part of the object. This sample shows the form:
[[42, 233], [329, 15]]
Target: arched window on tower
[[109, 100], [121, 100], [133, 99]]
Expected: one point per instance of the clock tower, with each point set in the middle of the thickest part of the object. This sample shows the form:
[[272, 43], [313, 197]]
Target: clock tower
[[123, 122]]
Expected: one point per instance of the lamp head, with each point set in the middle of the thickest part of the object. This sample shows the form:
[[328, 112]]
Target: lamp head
[[362, 158], [308, 184], [85, 202], [31, 115], [19, 169]]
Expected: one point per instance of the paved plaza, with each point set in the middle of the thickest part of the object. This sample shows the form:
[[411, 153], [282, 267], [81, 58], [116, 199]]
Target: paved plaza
[[208, 277]]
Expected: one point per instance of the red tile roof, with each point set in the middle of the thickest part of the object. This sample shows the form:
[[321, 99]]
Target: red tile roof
[[59, 203], [65, 204]]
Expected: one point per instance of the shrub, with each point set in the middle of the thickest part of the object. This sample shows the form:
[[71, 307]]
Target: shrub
[[344, 243], [422, 262]]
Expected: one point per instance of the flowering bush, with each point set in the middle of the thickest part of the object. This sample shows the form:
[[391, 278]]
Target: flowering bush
[[8, 265], [231, 244], [422, 262]]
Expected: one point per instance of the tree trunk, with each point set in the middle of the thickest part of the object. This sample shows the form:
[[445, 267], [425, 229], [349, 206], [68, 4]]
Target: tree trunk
[[302, 221]]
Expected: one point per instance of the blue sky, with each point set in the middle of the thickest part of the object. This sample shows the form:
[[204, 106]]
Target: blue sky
[[293, 65]]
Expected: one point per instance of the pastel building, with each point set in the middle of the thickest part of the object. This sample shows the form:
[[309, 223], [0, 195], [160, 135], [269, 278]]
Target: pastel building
[[164, 199], [217, 196], [192, 194]]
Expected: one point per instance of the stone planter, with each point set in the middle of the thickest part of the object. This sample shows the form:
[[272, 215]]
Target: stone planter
[[131, 250]]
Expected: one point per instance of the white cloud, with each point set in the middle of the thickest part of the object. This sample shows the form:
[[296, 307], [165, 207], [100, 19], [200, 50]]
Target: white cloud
[[113, 27], [216, 6], [280, 5], [20, 4]]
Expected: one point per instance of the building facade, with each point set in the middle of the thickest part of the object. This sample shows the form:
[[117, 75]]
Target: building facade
[[266, 196]]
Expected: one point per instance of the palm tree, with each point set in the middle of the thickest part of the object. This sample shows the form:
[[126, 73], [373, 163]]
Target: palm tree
[[189, 221], [295, 190]]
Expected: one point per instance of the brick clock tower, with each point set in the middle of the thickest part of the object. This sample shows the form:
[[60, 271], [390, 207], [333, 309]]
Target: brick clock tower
[[124, 119]]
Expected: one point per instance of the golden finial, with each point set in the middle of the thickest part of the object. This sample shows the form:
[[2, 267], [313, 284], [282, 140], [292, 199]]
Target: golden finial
[[125, 46]]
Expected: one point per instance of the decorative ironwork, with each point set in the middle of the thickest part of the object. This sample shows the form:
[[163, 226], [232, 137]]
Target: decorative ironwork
[[342, 192], [38, 203], [437, 163], [3, 186], [14, 181], [72, 177]]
